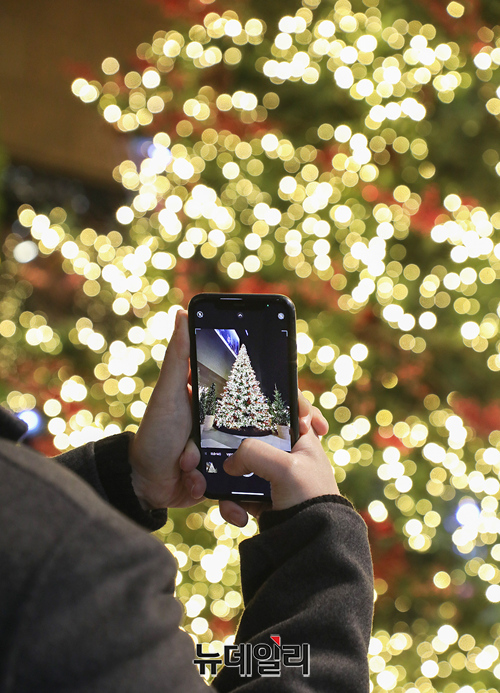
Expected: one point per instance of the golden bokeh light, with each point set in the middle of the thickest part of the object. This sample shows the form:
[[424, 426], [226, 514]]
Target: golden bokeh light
[[312, 168]]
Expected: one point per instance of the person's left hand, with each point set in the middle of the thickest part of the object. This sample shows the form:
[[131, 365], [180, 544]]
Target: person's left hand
[[311, 421], [164, 473]]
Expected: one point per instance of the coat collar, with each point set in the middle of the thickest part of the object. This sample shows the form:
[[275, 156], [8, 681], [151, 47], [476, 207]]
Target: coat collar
[[11, 427]]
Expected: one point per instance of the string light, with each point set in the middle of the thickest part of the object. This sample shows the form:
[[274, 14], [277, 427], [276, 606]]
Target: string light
[[340, 213]]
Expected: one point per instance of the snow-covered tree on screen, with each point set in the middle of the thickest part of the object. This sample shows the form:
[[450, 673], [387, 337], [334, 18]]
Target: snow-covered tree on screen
[[243, 404]]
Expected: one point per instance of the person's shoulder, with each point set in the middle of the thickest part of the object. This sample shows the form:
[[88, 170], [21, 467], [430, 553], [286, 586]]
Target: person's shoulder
[[39, 495], [47, 510], [59, 540]]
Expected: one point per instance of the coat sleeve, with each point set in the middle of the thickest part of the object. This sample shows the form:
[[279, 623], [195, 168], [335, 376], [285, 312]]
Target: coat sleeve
[[105, 466], [308, 578]]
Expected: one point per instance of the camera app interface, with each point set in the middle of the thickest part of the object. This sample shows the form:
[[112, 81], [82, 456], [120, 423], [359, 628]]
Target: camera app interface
[[243, 386]]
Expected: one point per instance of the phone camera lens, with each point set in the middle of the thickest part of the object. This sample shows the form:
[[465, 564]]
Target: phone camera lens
[[200, 313], [240, 315], [281, 316]]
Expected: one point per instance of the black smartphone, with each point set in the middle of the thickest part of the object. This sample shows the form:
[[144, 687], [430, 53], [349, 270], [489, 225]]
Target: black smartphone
[[244, 378]]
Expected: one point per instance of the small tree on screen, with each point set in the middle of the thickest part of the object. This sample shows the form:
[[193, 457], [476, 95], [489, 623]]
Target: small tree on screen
[[211, 400], [203, 395], [279, 410]]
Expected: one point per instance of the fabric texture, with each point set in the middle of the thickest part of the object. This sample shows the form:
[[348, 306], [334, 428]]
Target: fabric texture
[[87, 596]]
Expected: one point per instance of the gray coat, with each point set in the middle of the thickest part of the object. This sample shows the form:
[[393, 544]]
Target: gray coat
[[87, 599]]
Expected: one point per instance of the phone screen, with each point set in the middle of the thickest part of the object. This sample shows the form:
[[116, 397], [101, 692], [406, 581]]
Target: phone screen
[[243, 363]]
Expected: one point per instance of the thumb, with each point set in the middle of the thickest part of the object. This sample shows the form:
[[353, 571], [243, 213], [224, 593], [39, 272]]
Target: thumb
[[259, 458], [174, 372]]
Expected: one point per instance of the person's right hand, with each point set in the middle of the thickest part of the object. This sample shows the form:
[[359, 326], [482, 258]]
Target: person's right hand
[[296, 476]]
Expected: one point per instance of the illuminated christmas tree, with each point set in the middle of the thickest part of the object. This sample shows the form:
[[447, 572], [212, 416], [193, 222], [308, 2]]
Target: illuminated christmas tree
[[242, 404], [344, 154]]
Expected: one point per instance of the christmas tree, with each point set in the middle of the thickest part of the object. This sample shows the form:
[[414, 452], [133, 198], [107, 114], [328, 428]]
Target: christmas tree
[[211, 400], [344, 154], [242, 404], [279, 411], [202, 398]]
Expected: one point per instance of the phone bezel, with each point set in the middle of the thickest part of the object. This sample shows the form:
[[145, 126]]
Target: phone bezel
[[252, 300]]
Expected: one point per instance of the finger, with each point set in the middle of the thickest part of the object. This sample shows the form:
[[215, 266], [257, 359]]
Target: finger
[[190, 457], [233, 513], [319, 423], [304, 424], [255, 509], [174, 372], [304, 405], [196, 483], [255, 456], [311, 416], [305, 414]]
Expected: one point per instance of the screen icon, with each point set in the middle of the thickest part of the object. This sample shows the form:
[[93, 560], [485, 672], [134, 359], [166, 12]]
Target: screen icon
[[281, 316], [200, 313]]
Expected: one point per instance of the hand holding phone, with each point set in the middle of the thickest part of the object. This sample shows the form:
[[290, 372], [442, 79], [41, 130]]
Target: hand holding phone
[[295, 477], [312, 472], [162, 458]]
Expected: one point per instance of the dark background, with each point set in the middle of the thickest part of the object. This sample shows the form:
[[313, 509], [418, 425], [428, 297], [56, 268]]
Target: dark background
[[44, 46], [54, 149]]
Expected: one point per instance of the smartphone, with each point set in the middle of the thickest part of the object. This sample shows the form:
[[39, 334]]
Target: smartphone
[[244, 379]]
